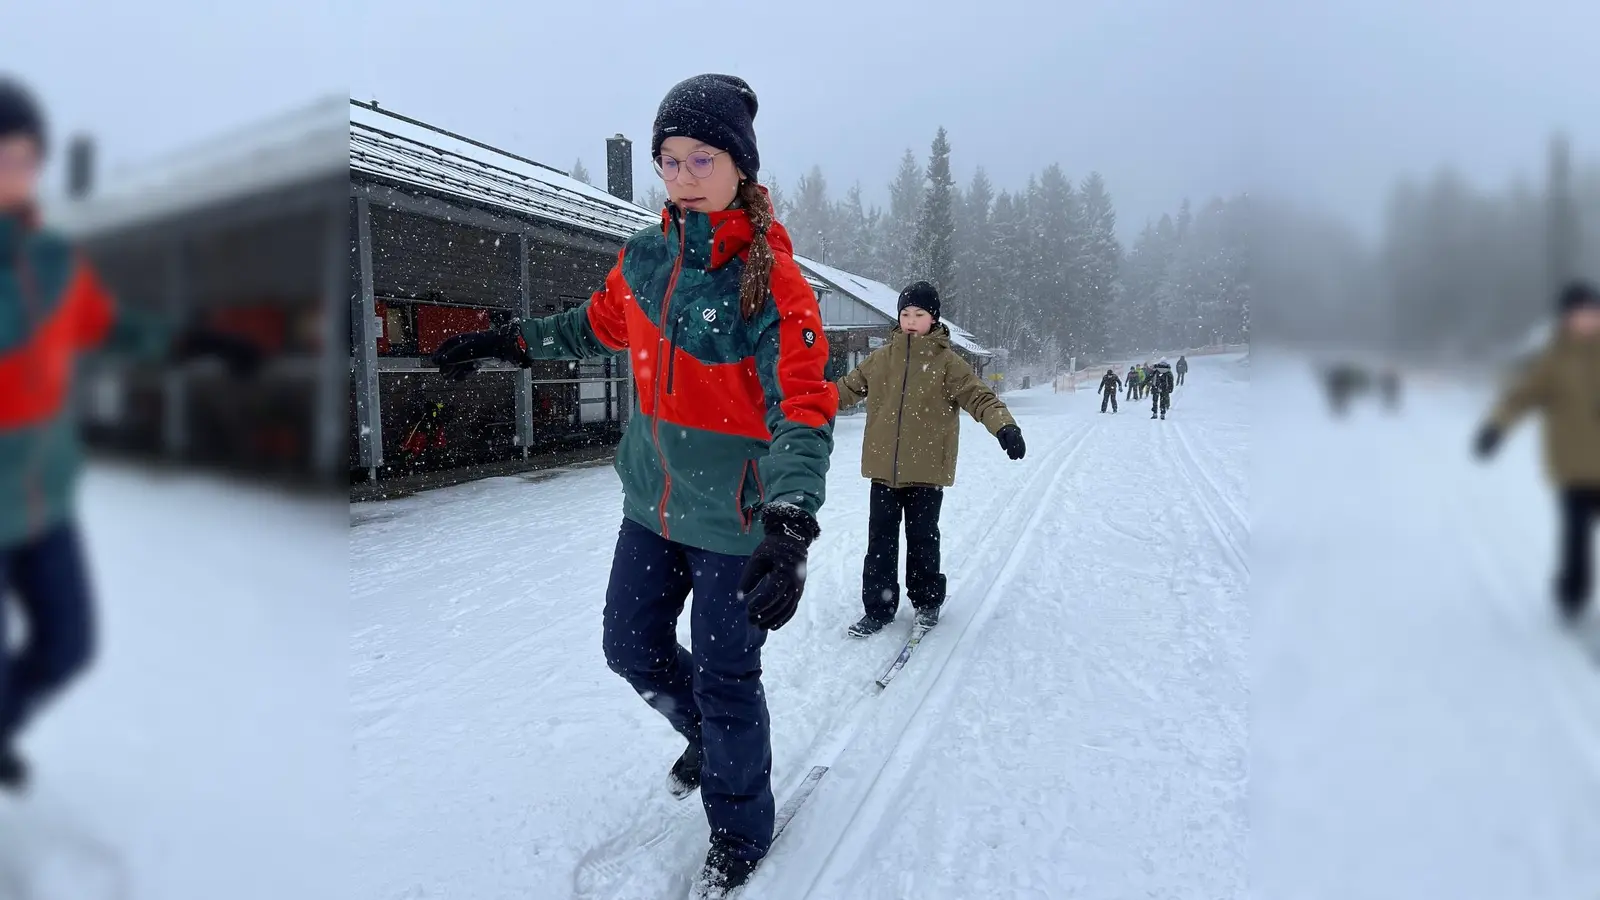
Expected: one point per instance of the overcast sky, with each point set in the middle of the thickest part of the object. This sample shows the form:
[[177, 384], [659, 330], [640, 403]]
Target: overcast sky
[[1326, 101]]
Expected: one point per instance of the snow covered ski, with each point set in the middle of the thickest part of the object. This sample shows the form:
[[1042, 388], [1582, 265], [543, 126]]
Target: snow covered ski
[[780, 823], [917, 631]]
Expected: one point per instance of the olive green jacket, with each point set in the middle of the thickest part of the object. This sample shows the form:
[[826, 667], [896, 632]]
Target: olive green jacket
[[914, 386]]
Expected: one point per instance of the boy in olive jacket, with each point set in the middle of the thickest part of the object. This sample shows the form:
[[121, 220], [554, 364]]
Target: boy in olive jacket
[[1563, 384], [914, 386]]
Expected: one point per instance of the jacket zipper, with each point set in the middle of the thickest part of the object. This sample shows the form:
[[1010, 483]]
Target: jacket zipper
[[899, 419], [661, 343]]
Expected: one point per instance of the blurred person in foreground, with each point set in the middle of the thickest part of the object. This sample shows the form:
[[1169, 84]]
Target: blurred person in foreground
[[53, 309], [1563, 383]]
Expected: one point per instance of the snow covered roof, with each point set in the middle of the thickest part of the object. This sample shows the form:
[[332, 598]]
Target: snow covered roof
[[883, 298], [300, 147], [391, 146]]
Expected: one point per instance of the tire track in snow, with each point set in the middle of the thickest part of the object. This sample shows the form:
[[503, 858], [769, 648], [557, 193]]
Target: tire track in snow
[[915, 720]]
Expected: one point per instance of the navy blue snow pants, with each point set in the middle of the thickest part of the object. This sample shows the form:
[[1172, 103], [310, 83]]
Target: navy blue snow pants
[[712, 695], [48, 582]]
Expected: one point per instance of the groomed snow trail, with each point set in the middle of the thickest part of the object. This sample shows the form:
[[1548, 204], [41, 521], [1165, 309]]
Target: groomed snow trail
[[1422, 729], [1074, 727]]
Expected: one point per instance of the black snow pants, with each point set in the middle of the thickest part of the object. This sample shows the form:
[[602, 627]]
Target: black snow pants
[[1160, 402], [918, 508], [1580, 513], [1109, 397]]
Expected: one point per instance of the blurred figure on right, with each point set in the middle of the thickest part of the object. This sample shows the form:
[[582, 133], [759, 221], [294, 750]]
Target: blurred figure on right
[[1563, 383]]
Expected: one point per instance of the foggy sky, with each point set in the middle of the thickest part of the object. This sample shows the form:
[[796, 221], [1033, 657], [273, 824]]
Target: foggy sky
[[1326, 102]]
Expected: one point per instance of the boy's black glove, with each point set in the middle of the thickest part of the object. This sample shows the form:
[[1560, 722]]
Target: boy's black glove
[[242, 357], [1010, 438], [1488, 440], [775, 576], [459, 356]]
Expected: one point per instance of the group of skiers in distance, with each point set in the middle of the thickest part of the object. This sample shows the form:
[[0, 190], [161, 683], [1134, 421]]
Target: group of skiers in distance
[[1154, 380]]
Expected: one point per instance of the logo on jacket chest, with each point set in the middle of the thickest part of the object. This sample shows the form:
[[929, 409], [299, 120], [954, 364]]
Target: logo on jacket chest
[[810, 337], [709, 314]]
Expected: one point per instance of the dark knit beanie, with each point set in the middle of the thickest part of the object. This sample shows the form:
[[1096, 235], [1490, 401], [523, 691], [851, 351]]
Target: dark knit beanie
[[921, 295], [1578, 295], [717, 109], [19, 112]]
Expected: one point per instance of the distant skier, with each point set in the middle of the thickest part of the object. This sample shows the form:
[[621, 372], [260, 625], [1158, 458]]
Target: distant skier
[[1563, 383], [914, 387], [1182, 368], [724, 461], [1161, 384], [1132, 382], [1109, 385], [53, 311]]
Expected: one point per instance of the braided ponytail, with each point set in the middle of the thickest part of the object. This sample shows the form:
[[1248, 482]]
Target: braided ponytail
[[757, 280]]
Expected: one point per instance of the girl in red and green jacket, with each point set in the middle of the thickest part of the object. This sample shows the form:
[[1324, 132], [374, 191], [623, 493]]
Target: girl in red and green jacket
[[53, 310], [724, 460]]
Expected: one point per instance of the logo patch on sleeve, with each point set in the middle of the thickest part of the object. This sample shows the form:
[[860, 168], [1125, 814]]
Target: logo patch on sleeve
[[810, 337]]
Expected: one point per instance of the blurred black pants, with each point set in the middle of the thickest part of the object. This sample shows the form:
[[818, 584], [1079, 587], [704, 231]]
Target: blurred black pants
[[47, 581], [1580, 513]]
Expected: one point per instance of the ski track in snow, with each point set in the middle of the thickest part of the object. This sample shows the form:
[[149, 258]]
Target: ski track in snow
[[1086, 681]]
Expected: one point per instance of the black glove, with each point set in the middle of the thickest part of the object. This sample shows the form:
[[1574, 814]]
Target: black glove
[[775, 576], [1010, 438], [459, 356], [242, 357], [1488, 440]]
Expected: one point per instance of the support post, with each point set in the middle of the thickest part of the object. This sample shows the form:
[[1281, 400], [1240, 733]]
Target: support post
[[174, 382], [332, 406], [364, 314], [524, 376]]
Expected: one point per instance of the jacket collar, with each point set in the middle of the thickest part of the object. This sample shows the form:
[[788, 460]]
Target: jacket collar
[[936, 339], [711, 240]]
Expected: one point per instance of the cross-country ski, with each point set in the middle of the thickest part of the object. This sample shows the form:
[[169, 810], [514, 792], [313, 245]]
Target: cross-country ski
[[904, 656]]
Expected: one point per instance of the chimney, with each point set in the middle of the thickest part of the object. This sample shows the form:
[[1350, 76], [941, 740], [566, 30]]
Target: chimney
[[80, 167], [619, 167]]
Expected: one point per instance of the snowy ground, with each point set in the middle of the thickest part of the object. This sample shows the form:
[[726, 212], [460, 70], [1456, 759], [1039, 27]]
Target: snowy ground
[[1419, 727], [203, 756], [1076, 726]]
